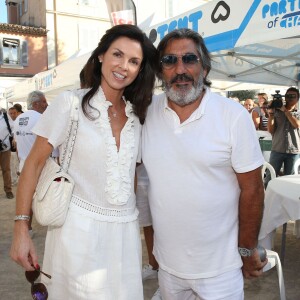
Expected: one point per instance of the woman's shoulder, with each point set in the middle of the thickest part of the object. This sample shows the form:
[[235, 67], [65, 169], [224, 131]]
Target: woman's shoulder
[[64, 100], [257, 110]]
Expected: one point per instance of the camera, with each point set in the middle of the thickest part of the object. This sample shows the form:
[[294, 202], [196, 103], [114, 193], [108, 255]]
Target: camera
[[277, 100], [2, 146]]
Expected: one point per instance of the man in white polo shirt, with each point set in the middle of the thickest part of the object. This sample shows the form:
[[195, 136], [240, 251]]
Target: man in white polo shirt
[[36, 105], [205, 192]]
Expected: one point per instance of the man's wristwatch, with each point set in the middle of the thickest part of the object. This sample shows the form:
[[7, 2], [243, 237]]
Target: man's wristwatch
[[246, 252]]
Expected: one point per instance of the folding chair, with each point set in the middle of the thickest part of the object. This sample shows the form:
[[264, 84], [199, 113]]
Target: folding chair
[[274, 260], [297, 166], [273, 257]]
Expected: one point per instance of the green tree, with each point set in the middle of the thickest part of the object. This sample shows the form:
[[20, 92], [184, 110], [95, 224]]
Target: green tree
[[242, 95]]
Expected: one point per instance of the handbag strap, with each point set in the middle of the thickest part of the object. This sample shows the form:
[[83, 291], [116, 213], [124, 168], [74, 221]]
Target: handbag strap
[[72, 133]]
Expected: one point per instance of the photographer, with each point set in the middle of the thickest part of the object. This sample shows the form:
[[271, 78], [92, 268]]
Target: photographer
[[284, 125]]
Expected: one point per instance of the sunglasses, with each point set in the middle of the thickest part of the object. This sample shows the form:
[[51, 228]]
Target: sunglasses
[[38, 290], [170, 60], [290, 96]]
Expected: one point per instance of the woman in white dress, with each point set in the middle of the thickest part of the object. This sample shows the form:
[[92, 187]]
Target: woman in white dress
[[96, 254]]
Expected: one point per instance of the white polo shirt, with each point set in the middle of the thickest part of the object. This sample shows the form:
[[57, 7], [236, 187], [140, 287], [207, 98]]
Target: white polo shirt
[[193, 191], [23, 134]]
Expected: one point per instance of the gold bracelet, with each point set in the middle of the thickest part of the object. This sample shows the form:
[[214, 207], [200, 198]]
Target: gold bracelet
[[21, 218]]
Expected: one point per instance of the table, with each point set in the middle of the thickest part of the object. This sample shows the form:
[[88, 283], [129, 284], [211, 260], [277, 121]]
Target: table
[[282, 203]]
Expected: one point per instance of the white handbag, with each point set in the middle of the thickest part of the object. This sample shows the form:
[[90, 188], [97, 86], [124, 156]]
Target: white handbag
[[55, 186]]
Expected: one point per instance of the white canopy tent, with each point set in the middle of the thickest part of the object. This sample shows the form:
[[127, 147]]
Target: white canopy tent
[[250, 41], [254, 44], [63, 77]]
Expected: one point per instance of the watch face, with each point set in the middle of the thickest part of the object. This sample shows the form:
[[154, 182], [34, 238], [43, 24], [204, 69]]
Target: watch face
[[245, 252]]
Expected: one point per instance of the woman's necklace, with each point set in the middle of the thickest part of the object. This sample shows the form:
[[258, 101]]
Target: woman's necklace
[[113, 113]]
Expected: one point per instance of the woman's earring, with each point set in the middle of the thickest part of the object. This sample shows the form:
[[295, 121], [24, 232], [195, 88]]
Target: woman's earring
[[100, 61]]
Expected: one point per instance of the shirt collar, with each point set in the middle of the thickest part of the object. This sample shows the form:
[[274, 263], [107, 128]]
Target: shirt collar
[[199, 112]]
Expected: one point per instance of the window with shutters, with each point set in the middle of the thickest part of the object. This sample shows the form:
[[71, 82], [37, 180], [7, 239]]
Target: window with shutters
[[11, 51]]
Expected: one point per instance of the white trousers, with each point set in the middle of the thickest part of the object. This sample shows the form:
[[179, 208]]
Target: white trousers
[[227, 286]]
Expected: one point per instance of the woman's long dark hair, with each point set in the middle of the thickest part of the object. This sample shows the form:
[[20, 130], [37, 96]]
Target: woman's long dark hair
[[139, 92]]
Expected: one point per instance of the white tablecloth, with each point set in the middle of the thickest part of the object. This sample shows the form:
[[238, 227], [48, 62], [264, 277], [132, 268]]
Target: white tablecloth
[[282, 203]]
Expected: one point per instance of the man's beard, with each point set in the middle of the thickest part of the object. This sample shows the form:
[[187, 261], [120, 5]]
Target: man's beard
[[186, 94]]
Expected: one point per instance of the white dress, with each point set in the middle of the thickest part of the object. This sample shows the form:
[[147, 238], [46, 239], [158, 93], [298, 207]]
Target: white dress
[[96, 254]]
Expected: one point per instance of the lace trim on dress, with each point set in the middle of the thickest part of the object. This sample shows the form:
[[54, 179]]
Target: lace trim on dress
[[103, 213], [118, 181]]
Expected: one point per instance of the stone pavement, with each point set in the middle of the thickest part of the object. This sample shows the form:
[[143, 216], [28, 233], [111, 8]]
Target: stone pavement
[[14, 286]]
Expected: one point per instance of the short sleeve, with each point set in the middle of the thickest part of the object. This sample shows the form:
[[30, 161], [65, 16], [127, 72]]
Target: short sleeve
[[54, 122], [246, 152]]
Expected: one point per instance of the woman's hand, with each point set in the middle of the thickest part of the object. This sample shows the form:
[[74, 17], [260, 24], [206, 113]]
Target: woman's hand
[[22, 249]]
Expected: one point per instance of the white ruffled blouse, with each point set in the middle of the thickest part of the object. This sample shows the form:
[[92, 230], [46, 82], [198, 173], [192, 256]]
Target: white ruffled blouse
[[103, 175]]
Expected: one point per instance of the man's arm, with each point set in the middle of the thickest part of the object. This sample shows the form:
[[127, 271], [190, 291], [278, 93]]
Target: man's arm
[[251, 205]]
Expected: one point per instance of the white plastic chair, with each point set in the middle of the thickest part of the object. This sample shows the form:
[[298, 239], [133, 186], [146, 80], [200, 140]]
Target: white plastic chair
[[273, 257], [267, 166], [274, 260], [296, 166]]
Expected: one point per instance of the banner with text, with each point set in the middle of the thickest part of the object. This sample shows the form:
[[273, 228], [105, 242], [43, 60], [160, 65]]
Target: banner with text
[[231, 23], [121, 11]]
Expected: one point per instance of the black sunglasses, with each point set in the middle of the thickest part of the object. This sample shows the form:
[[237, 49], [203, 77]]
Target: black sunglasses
[[170, 60], [38, 290], [290, 96]]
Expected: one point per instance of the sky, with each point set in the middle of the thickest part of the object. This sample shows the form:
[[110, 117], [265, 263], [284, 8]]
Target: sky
[[3, 15]]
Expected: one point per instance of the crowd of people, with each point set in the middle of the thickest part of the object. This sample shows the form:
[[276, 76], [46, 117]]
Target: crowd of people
[[281, 118], [177, 164]]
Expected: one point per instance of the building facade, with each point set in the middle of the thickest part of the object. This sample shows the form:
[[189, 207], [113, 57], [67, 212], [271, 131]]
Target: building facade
[[23, 53], [71, 25], [23, 50], [70, 28]]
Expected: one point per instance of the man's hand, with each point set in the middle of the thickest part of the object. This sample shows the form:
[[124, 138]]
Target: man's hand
[[283, 108], [252, 265]]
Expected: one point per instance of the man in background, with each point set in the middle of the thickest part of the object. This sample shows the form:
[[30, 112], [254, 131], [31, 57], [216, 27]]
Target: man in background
[[5, 154], [13, 113], [36, 105], [284, 125], [19, 109], [249, 104], [14, 161]]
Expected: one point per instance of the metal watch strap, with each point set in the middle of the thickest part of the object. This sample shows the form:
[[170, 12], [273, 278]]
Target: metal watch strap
[[246, 252], [21, 218]]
